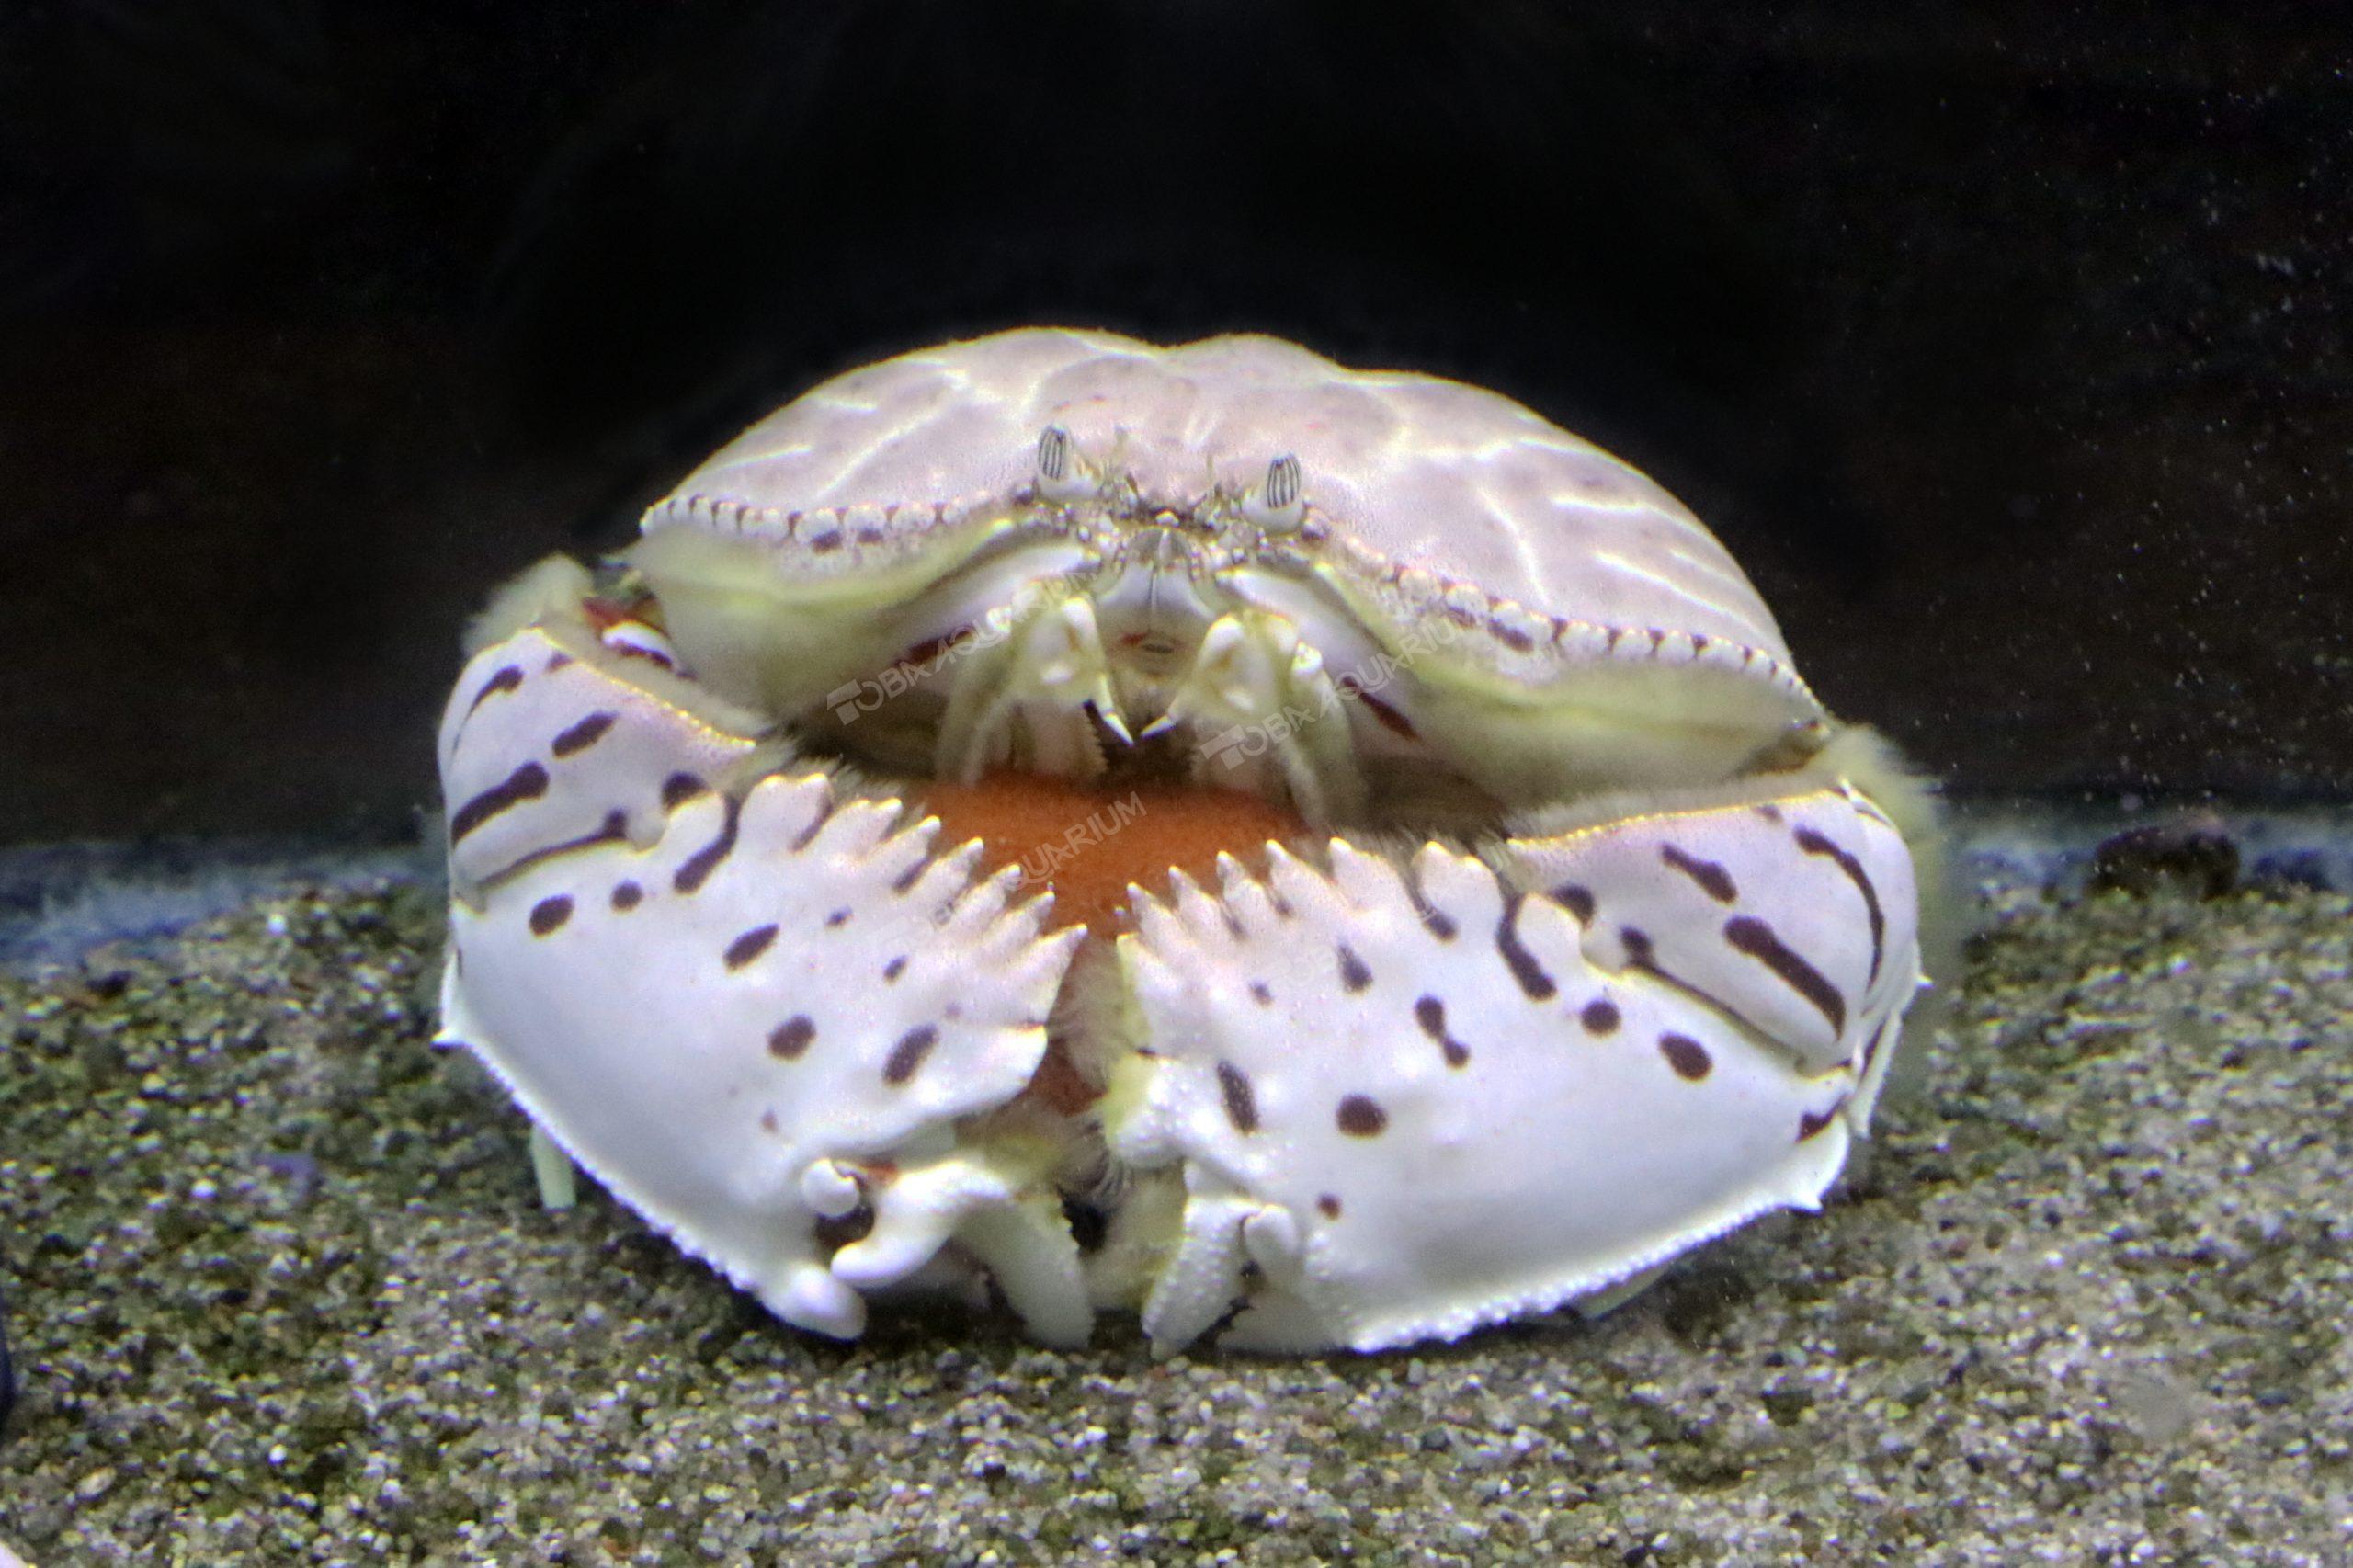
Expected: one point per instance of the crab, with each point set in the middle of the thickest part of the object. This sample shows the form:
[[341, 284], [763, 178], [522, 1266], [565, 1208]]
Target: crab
[[1323, 859]]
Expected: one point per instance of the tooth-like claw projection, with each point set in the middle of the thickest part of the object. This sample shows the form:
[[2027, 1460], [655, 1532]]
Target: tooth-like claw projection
[[1485, 913]]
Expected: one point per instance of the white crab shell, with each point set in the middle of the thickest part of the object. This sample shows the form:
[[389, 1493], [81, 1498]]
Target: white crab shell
[[1594, 944]]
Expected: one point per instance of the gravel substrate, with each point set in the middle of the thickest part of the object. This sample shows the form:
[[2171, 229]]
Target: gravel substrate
[[280, 1293]]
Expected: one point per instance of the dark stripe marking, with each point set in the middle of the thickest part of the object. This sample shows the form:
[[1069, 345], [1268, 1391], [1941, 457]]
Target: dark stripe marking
[[1713, 879], [1601, 1015], [1813, 843], [1436, 920], [1809, 1124], [1518, 960], [584, 734], [1354, 974], [705, 861], [1751, 936], [549, 914], [681, 787], [626, 896], [509, 677], [1577, 900], [615, 827], [908, 1054], [527, 782], [1391, 720], [1240, 1105], [750, 946], [896, 967], [1329, 1205], [652, 655]]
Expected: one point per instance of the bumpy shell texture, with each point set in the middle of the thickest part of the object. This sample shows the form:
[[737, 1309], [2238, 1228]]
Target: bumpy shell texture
[[1589, 935]]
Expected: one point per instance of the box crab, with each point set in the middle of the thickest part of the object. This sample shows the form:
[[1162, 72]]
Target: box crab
[[1321, 854]]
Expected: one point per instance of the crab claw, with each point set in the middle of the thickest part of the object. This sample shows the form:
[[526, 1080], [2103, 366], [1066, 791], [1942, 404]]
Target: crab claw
[[736, 1025], [1367, 1076]]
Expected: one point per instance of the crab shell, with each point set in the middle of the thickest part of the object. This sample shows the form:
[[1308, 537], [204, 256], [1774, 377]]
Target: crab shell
[[1593, 942]]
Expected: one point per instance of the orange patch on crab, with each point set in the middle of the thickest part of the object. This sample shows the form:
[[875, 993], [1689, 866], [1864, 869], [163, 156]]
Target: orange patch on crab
[[1088, 843]]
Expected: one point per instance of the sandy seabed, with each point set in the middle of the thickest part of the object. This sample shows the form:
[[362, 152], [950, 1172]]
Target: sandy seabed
[[280, 1293]]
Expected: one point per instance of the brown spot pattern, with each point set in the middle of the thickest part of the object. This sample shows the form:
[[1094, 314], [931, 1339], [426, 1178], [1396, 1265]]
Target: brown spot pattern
[[791, 1038], [908, 1054], [896, 967], [750, 946], [1752, 937], [1713, 879], [1329, 1205], [1523, 963], [1430, 1013], [1577, 899], [839, 917], [549, 914], [581, 736], [1686, 1056], [527, 782], [627, 896], [1601, 1015], [1241, 1103], [1360, 1115], [1354, 975], [1261, 994]]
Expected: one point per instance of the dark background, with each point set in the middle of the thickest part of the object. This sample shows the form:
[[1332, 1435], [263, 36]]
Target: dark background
[[2006, 347]]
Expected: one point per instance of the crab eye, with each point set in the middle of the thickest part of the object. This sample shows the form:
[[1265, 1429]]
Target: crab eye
[[1062, 474], [1276, 504]]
